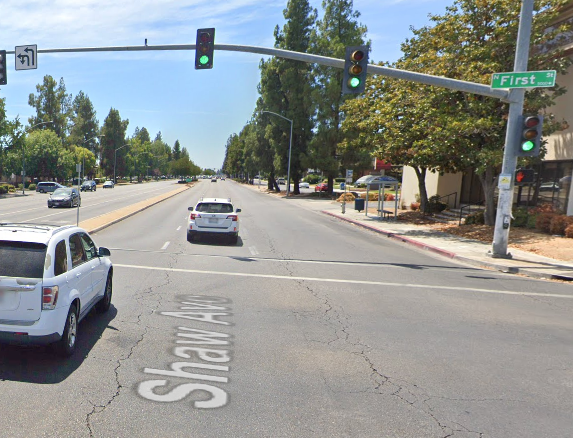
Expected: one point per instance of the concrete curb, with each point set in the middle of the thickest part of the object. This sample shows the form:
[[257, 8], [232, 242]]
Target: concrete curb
[[391, 235], [499, 266], [103, 221]]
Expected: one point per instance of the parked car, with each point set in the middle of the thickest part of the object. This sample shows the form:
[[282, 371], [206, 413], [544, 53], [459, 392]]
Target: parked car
[[213, 179], [363, 180], [281, 181], [65, 197], [549, 187], [47, 186], [322, 187], [52, 276], [213, 217], [108, 185], [304, 185], [382, 180], [88, 185]]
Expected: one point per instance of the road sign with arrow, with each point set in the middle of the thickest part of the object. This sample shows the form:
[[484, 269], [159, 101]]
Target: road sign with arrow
[[26, 57]]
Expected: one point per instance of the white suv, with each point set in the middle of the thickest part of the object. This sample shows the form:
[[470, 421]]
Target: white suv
[[50, 278], [213, 216]]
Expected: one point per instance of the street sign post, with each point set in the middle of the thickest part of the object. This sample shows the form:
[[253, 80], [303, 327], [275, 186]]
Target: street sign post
[[26, 57], [528, 79]]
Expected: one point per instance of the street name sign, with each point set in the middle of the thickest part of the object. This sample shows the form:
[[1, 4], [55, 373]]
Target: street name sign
[[526, 79], [26, 57]]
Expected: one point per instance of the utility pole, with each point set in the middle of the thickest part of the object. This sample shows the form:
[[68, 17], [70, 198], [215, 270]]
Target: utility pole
[[516, 98]]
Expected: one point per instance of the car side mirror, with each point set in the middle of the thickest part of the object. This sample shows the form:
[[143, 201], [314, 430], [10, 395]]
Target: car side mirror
[[190, 209], [103, 252], [238, 210]]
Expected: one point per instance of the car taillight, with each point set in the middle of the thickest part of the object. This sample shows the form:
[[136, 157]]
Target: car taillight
[[233, 217], [49, 297], [193, 216]]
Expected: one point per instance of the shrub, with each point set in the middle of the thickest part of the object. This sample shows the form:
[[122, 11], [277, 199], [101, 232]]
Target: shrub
[[3, 189], [543, 221], [389, 197], [11, 188], [569, 231], [32, 187], [434, 204], [520, 217], [559, 223], [475, 218]]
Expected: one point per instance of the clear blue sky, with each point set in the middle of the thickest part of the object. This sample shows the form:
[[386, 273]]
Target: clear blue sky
[[162, 91]]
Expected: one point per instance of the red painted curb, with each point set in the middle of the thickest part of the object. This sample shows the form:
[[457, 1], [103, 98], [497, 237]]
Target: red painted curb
[[391, 235]]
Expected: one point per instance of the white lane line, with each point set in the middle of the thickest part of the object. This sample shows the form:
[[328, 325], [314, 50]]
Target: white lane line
[[178, 228], [336, 280], [253, 250], [165, 245]]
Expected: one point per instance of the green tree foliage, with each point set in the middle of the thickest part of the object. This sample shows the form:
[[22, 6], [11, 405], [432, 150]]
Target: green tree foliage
[[114, 130], [41, 153], [142, 134], [294, 81], [449, 131], [337, 29], [473, 39], [176, 150], [52, 103], [85, 125]]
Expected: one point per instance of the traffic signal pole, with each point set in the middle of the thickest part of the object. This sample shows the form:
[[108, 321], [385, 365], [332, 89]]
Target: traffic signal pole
[[512, 137]]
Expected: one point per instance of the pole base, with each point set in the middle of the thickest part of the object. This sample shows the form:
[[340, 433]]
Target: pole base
[[499, 256]]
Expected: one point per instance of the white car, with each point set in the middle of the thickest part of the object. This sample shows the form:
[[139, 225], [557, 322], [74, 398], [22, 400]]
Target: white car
[[108, 185], [304, 185], [213, 217], [50, 278]]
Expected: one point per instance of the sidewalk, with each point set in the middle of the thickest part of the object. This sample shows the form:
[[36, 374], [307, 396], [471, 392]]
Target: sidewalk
[[465, 250]]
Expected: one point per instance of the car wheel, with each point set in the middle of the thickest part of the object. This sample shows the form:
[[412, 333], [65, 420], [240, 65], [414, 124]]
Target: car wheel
[[66, 346], [41, 191], [104, 304], [50, 206]]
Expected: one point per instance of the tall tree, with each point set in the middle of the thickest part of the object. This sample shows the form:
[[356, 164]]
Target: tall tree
[[294, 78], [176, 150], [52, 104], [337, 29], [114, 130], [85, 125]]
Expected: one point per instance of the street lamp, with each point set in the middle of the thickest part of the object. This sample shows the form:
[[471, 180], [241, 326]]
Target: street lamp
[[24, 158], [115, 160], [84, 155], [289, 148]]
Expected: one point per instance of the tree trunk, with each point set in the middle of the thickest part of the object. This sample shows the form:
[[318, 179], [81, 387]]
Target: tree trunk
[[489, 182], [421, 174]]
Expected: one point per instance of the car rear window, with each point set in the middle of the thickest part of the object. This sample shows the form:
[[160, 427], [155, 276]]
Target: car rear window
[[22, 259], [211, 207]]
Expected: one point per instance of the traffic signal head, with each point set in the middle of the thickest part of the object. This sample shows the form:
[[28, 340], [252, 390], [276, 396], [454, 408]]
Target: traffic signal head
[[204, 48], [530, 138], [3, 68], [355, 63]]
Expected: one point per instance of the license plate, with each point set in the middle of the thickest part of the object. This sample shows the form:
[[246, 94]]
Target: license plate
[[213, 220]]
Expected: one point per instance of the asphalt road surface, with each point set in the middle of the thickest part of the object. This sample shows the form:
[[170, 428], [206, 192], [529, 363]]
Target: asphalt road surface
[[308, 327]]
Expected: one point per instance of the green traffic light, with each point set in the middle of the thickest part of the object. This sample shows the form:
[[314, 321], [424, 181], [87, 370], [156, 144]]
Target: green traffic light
[[527, 146], [204, 60], [354, 82]]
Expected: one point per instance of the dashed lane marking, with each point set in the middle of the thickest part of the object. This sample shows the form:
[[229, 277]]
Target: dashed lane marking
[[165, 245]]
